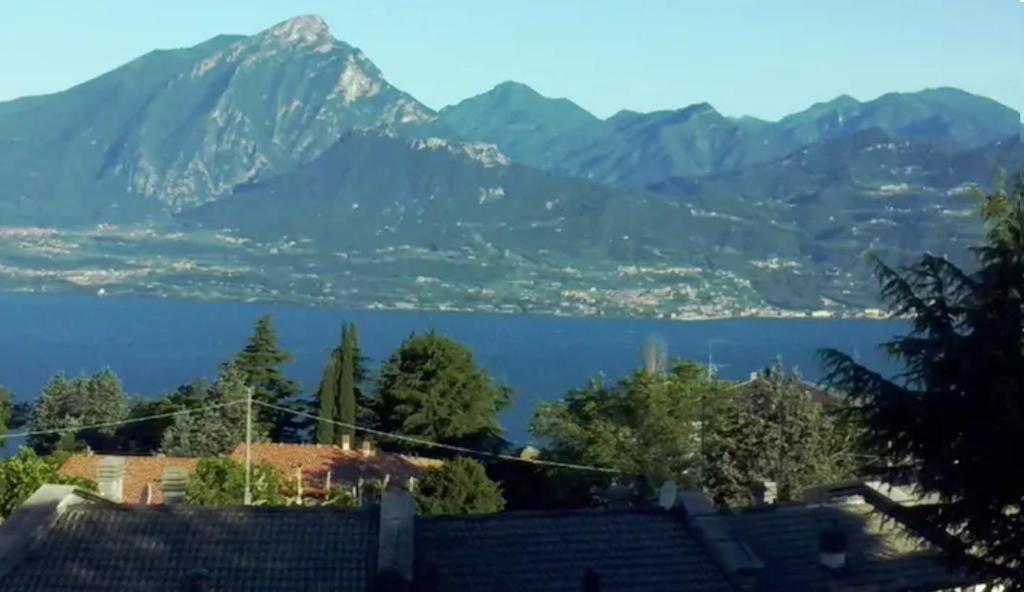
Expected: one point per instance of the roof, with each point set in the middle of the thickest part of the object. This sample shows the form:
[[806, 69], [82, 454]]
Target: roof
[[103, 546], [346, 466], [140, 472], [883, 555], [551, 551]]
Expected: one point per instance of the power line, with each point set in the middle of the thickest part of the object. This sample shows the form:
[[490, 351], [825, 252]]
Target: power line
[[424, 442], [111, 424]]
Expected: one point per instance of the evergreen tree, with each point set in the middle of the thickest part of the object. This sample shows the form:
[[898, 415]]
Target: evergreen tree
[[340, 397], [260, 362], [432, 388], [774, 430], [953, 421], [217, 431], [77, 402], [6, 414], [459, 486]]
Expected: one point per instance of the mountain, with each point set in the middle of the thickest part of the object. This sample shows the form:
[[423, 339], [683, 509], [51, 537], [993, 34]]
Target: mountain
[[530, 128], [256, 166], [182, 127], [646, 149]]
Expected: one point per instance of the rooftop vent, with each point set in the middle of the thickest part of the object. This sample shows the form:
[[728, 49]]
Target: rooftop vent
[[174, 483], [833, 544], [110, 478]]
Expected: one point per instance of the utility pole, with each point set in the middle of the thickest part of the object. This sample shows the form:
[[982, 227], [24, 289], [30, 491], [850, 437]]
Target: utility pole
[[248, 446]]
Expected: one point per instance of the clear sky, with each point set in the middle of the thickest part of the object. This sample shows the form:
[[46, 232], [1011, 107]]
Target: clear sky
[[755, 57]]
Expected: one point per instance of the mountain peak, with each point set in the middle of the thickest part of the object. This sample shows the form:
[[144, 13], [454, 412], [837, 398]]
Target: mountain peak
[[301, 30]]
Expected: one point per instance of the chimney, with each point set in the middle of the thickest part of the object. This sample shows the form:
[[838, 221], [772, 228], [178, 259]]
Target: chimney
[[832, 545], [367, 448], [395, 543], [667, 495], [174, 484], [110, 478], [765, 493], [346, 442]]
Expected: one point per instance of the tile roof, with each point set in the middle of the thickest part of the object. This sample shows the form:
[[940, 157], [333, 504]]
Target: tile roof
[[94, 547], [883, 556], [551, 551], [346, 466], [140, 472], [314, 461]]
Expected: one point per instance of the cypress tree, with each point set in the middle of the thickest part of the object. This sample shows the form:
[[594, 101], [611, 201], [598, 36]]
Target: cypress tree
[[347, 386], [339, 397], [327, 397]]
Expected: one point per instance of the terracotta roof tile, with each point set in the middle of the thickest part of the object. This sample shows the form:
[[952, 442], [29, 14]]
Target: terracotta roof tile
[[140, 472]]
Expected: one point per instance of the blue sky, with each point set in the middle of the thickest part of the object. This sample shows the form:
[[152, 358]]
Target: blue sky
[[764, 58]]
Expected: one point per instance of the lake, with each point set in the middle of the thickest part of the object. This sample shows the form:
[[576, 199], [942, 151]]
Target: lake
[[154, 345]]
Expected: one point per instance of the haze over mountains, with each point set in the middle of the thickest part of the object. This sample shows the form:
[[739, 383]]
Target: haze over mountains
[[293, 133]]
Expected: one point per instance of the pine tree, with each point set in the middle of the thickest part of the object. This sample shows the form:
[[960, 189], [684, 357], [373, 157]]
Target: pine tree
[[77, 402], [260, 362], [432, 388], [953, 421], [459, 486]]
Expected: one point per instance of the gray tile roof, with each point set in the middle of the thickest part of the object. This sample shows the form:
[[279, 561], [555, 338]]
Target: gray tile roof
[[118, 548], [551, 551], [883, 556]]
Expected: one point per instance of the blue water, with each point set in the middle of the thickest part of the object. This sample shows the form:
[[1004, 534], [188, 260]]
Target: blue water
[[154, 345]]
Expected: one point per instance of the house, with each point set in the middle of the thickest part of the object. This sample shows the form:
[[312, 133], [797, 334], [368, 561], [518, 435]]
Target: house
[[307, 468], [64, 539]]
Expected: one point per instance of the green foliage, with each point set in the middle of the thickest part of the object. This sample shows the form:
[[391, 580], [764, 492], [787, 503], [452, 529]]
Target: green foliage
[[6, 413], [460, 486], [213, 432], [22, 474], [77, 402], [774, 430], [340, 397], [953, 421], [432, 388], [260, 363], [221, 482], [649, 424]]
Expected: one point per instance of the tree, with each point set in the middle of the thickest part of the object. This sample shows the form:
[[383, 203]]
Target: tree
[[953, 420], [221, 482], [432, 388], [260, 363], [649, 424], [24, 473], [774, 430], [145, 437], [79, 401], [459, 486], [216, 431], [339, 397], [6, 413]]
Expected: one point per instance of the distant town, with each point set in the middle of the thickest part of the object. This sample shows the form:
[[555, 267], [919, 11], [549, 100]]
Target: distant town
[[109, 260]]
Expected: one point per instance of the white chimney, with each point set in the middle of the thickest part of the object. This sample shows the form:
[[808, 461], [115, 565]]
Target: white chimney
[[346, 442], [832, 545], [395, 542], [174, 483], [110, 478], [367, 448], [765, 493]]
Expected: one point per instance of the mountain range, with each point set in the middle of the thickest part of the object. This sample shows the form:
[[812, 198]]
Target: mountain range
[[291, 133]]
